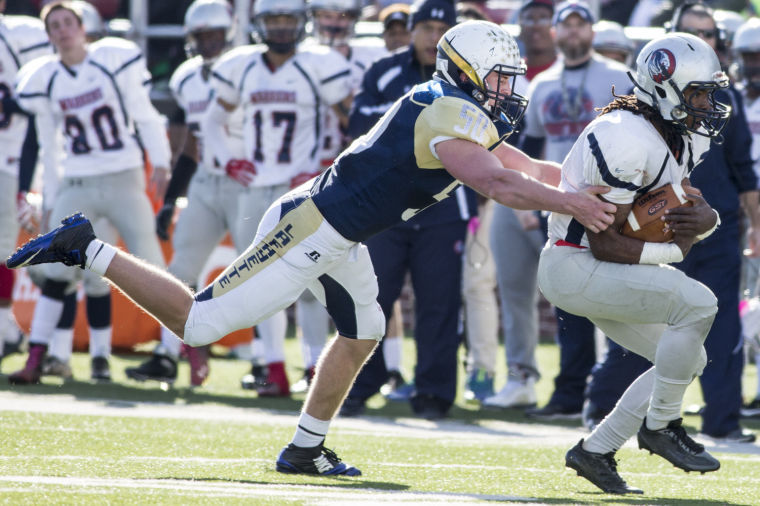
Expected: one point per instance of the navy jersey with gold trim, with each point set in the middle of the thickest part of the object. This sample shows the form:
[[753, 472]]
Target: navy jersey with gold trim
[[392, 173]]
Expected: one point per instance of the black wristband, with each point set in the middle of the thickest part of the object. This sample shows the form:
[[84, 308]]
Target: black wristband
[[181, 175]]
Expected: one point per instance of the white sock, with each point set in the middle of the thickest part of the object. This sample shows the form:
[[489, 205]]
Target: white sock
[[392, 351], [625, 420], [62, 343], [99, 255], [170, 343], [665, 405], [310, 431], [47, 312], [100, 342]]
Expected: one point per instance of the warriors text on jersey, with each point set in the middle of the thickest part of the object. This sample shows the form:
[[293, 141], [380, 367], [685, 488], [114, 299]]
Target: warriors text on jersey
[[99, 106], [22, 39], [191, 87], [599, 157], [393, 172], [282, 108]]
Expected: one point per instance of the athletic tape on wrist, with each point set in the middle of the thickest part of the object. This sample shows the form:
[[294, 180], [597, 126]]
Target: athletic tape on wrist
[[660, 253], [99, 256], [707, 234]]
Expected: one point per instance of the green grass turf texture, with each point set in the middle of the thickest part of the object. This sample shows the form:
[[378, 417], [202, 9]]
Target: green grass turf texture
[[48, 458]]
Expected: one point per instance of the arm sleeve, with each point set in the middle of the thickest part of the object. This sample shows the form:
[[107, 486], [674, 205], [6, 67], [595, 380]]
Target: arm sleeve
[[532, 146], [29, 153], [50, 149], [213, 131], [181, 175], [367, 106], [334, 78], [150, 124], [738, 146]]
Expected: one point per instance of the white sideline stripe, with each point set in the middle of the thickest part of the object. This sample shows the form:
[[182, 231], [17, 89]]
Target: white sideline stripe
[[268, 462], [491, 432], [236, 489]]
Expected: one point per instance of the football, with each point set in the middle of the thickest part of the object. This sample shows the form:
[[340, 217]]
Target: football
[[644, 221]]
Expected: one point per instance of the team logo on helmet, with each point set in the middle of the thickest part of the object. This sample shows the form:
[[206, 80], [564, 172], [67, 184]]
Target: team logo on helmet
[[661, 65]]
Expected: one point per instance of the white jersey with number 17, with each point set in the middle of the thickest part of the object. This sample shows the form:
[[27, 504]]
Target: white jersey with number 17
[[283, 108]]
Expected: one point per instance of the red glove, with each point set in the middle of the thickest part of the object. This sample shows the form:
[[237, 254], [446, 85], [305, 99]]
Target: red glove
[[241, 171], [301, 178]]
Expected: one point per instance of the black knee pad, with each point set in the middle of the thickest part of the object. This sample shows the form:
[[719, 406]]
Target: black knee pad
[[99, 311], [55, 290]]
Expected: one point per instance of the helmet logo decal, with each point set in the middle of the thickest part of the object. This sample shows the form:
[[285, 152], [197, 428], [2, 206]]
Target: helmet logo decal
[[436, 13], [661, 65]]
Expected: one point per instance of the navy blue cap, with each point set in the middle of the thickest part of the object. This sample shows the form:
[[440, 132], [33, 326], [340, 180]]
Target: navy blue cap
[[436, 10]]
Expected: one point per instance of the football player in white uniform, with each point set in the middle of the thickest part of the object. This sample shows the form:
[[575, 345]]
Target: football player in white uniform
[[22, 39], [96, 96], [283, 90], [98, 293], [212, 196], [623, 285]]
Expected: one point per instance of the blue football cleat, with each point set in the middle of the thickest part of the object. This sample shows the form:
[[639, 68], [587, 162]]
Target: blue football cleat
[[66, 244], [318, 460]]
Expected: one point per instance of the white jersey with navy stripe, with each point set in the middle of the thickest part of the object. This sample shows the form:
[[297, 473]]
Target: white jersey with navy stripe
[[600, 157], [191, 87], [22, 38], [282, 109], [99, 106], [362, 54]]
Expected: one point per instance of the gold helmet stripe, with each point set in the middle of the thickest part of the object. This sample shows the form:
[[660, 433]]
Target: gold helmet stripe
[[461, 63]]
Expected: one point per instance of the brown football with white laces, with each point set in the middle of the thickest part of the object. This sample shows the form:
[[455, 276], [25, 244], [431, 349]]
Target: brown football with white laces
[[644, 221]]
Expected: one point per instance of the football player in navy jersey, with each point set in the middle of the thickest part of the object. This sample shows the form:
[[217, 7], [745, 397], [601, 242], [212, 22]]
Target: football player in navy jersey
[[439, 135]]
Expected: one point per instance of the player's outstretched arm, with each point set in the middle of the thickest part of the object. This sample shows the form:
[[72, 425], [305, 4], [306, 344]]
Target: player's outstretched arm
[[481, 170]]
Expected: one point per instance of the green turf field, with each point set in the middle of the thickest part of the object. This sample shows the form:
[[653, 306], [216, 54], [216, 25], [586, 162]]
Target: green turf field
[[130, 443]]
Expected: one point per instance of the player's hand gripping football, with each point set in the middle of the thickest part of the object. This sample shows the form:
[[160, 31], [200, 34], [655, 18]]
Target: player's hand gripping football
[[688, 222], [594, 213], [241, 171]]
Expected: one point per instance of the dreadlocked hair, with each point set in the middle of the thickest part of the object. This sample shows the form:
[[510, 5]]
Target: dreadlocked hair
[[670, 132]]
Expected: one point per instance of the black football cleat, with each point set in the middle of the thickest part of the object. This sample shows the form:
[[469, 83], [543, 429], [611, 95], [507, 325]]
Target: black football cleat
[[100, 370], [674, 445], [158, 367], [66, 244], [598, 468], [318, 460]]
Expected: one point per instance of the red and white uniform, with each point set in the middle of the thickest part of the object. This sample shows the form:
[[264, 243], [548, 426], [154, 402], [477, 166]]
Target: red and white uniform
[[192, 90], [100, 106], [282, 109], [22, 39]]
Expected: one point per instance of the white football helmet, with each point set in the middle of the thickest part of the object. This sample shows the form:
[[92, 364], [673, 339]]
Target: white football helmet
[[205, 16], [335, 34], [279, 40], [670, 64], [747, 40], [475, 49], [91, 20]]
